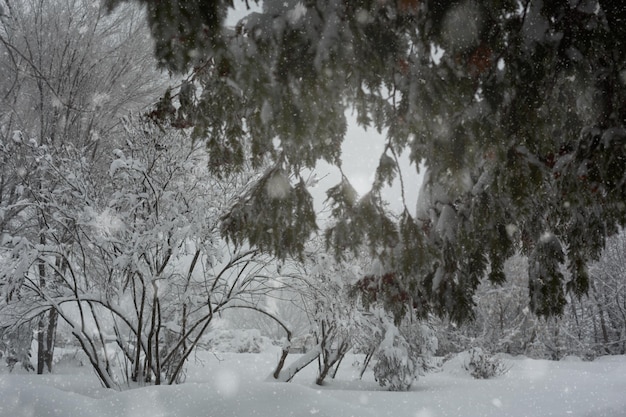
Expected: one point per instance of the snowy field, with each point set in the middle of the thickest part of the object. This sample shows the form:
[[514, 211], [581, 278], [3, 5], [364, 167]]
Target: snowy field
[[236, 385]]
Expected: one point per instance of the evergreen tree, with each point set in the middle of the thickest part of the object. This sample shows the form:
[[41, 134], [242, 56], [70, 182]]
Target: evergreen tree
[[517, 108]]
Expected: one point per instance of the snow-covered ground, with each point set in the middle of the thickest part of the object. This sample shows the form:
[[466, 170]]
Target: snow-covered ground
[[236, 385]]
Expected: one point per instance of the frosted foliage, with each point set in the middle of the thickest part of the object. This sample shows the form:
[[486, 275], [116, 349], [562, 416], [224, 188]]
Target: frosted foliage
[[266, 112], [482, 365], [428, 340], [535, 24], [547, 237], [575, 88], [98, 100], [144, 262], [56, 103], [403, 354], [395, 367], [462, 26], [585, 104], [511, 229], [446, 225], [277, 7], [237, 341], [363, 16], [106, 222], [115, 166], [17, 136], [429, 194], [441, 129], [297, 13]]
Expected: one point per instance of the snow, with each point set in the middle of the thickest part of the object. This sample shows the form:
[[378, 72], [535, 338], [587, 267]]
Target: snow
[[295, 14], [266, 113], [17, 136], [547, 237], [240, 341], [511, 230], [462, 25], [117, 165], [98, 100], [277, 186], [363, 16], [231, 384], [446, 226]]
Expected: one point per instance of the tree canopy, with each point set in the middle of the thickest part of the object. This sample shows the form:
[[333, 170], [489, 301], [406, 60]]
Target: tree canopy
[[516, 107]]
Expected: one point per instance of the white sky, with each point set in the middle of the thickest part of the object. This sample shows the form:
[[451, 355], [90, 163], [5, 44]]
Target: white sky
[[361, 152]]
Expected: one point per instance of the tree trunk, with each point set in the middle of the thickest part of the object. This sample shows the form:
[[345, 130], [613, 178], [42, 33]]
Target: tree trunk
[[281, 362], [41, 350], [366, 361], [137, 371], [336, 368], [605, 333], [47, 325], [51, 331], [329, 359], [287, 374]]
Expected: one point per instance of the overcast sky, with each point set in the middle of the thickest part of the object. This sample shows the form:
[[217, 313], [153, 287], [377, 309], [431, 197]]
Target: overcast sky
[[361, 152]]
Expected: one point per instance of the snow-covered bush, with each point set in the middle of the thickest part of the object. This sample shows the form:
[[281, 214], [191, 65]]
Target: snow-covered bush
[[320, 286], [238, 341], [404, 353], [71, 356], [15, 347], [424, 343], [482, 365], [395, 367], [142, 266]]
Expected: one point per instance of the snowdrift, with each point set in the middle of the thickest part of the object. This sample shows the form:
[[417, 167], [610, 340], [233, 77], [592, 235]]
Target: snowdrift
[[236, 385]]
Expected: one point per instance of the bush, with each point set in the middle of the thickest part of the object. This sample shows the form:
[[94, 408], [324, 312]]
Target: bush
[[238, 341], [404, 353], [15, 348], [482, 365], [396, 367]]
